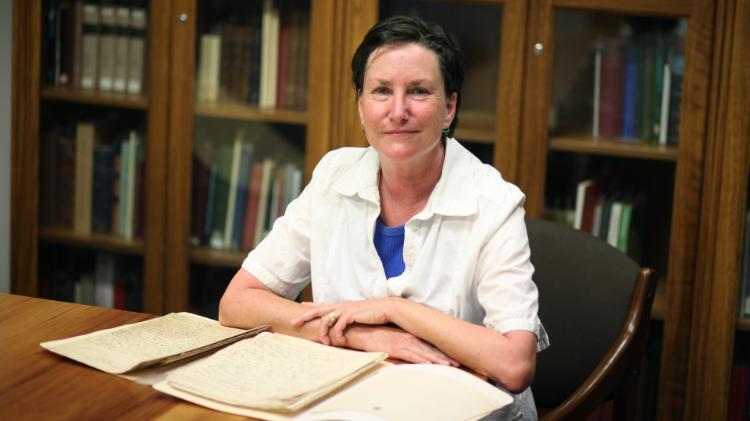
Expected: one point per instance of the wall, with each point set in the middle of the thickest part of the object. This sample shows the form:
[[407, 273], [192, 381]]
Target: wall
[[6, 33]]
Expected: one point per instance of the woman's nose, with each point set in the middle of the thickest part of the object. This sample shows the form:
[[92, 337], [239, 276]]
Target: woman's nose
[[399, 107]]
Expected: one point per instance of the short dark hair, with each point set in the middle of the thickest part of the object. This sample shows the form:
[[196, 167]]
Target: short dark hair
[[400, 29]]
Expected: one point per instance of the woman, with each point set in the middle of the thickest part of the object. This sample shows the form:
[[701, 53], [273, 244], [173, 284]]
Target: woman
[[413, 247]]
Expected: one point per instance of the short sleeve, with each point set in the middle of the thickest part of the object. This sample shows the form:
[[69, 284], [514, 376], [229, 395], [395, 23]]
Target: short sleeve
[[505, 287], [282, 260]]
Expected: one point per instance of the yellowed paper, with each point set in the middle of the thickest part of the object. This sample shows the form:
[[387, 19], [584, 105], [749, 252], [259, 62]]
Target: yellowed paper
[[388, 392], [273, 371], [151, 342]]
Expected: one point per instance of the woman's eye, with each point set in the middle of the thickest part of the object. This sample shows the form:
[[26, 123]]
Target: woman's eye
[[419, 91], [381, 90]]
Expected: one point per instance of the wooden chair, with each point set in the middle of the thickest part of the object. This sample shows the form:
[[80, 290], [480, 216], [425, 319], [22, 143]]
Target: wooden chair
[[595, 303]]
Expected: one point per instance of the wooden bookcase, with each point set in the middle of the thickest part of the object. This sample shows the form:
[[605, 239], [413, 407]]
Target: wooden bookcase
[[697, 228], [33, 97]]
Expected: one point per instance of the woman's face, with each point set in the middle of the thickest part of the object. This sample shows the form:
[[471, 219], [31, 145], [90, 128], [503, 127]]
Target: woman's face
[[403, 106]]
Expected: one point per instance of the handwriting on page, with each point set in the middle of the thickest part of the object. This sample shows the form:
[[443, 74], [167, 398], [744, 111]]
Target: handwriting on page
[[120, 349], [268, 368]]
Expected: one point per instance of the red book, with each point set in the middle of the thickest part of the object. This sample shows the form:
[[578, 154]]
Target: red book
[[251, 208], [282, 80], [610, 93]]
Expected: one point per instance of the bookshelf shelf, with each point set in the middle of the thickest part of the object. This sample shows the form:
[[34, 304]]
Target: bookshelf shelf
[[238, 111], [743, 324], [110, 99], [476, 126], [599, 146], [222, 258], [92, 241]]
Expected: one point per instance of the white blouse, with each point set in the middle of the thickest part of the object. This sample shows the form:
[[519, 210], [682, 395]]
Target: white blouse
[[466, 253]]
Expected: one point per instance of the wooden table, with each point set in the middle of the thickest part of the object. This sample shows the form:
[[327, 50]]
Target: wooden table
[[37, 384]]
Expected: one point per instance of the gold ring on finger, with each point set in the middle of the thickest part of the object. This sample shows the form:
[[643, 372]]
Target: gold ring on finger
[[332, 316]]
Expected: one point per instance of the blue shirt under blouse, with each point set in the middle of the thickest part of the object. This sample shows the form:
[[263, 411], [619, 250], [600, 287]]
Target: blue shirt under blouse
[[389, 242]]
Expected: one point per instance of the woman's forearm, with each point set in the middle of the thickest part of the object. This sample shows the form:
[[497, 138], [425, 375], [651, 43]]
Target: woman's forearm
[[509, 359], [247, 303]]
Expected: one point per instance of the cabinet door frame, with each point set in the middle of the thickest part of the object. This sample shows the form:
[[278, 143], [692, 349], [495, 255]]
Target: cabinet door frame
[[683, 243], [722, 218]]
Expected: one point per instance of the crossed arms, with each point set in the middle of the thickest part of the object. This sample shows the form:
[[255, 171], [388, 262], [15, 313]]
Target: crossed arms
[[421, 334]]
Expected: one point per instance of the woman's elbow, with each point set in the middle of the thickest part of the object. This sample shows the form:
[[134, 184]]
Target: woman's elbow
[[516, 377]]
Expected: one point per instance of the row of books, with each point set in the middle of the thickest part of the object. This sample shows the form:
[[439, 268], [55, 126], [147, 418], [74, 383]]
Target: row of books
[[638, 87], [238, 196], [92, 184], [603, 212], [96, 45], [262, 62], [111, 282]]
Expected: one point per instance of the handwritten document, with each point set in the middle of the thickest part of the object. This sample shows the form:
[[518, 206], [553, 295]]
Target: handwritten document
[[273, 371], [148, 343], [387, 392]]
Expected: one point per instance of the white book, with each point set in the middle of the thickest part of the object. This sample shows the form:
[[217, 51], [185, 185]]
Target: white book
[[233, 180], [107, 46], [664, 116], [597, 90], [104, 283], [265, 185], [269, 54], [136, 50], [90, 41], [122, 40], [209, 71], [613, 230]]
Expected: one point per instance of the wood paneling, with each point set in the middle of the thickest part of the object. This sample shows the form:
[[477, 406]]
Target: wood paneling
[[180, 152], [685, 212], [723, 218]]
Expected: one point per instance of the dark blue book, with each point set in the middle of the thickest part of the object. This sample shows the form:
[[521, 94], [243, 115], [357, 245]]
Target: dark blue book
[[208, 228], [255, 48], [631, 94], [103, 187]]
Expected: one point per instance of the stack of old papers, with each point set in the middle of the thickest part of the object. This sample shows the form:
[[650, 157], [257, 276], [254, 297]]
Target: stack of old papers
[[278, 377], [155, 342], [272, 371]]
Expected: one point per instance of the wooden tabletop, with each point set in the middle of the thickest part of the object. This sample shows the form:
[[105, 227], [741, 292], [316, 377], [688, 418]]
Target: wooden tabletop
[[37, 384]]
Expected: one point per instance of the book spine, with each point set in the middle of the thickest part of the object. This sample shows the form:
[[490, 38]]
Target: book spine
[[122, 35], [85, 133], [137, 50], [90, 53], [107, 45], [210, 59]]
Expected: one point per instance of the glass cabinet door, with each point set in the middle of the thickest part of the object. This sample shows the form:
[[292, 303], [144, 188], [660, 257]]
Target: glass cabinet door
[[488, 35], [614, 135], [249, 135], [614, 112], [96, 151]]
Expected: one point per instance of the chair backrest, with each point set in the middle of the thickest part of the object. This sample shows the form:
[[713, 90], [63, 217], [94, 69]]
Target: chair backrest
[[585, 289]]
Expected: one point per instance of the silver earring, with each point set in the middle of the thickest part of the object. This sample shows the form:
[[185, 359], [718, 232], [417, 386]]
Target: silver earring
[[446, 132]]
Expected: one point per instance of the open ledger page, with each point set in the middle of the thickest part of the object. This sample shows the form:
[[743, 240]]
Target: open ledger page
[[272, 371], [388, 392], [152, 342]]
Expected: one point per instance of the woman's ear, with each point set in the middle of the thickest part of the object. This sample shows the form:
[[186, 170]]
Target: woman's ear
[[451, 107]]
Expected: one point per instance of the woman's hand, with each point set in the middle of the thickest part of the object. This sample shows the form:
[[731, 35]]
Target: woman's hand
[[334, 319], [397, 343]]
